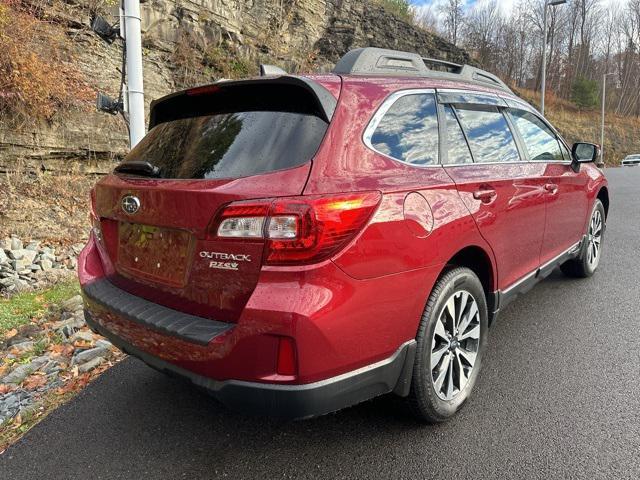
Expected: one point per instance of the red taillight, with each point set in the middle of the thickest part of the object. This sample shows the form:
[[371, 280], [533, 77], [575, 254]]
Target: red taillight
[[325, 225], [242, 220], [286, 357], [298, 230]]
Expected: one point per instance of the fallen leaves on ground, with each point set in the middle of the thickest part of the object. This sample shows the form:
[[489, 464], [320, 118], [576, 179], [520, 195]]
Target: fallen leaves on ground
[[62, 349], [10, 333], [78, 382], [34, 381], [6, 388]]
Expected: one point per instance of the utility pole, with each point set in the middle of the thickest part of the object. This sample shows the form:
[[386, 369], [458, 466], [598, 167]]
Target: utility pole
[[130, 30], [547, 3], [604, 96]]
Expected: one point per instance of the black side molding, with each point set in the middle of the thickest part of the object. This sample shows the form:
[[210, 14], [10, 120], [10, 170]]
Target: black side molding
[[500, 299], [165, 320]]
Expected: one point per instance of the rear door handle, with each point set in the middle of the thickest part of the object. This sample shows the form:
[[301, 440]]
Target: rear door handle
[[552, 188], [486, 195]]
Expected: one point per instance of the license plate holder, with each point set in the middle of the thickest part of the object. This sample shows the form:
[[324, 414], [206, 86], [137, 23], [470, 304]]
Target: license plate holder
[[154, 253]]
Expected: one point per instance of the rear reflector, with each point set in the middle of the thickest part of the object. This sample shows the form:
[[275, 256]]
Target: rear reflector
[[286, 357], [298, 230]]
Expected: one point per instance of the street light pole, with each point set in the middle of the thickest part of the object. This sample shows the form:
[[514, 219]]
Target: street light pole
[[547, 3], [130, 13], [604, 95]]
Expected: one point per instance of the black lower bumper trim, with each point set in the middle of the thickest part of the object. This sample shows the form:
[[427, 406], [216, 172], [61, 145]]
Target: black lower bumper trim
[[293, 401], [170, 322]]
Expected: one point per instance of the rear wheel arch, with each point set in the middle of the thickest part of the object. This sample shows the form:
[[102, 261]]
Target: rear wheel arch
[[479, 261]]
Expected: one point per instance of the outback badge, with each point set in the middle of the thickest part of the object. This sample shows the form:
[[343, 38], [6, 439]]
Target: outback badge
[[219, 257]]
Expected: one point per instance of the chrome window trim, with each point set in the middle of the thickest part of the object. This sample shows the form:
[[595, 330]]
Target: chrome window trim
[[381, 112], [479, 164]]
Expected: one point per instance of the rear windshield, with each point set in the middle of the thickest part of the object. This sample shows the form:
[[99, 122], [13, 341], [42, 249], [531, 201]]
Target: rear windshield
[[231, 144]]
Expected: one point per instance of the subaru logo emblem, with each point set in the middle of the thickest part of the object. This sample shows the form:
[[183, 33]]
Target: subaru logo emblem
[[130, 204]]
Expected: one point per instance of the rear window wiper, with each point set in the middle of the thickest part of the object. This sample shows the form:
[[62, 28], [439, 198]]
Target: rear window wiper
[[137, 167]]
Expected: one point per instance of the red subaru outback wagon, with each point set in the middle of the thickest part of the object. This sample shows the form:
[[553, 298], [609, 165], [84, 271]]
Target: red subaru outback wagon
[[298, 244]]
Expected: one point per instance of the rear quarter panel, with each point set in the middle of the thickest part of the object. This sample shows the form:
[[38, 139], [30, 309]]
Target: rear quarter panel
[[394, 240]]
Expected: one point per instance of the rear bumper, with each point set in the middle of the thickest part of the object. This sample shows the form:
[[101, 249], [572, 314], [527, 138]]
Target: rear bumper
[[292, 401], [353, 339]]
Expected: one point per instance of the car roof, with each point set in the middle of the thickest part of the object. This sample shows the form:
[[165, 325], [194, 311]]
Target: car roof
[[394, 83]]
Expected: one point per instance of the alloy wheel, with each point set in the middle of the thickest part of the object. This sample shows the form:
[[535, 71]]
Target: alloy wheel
[[455, 343], [594, 239]]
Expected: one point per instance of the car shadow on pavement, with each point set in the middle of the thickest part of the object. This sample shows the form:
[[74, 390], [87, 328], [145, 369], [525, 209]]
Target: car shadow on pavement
[[158, 421]]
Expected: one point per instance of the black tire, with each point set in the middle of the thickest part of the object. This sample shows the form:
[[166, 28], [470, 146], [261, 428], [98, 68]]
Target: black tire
[[581, 267], [423, 400]]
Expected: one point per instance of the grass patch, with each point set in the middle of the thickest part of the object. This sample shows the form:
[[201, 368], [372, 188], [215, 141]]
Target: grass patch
[[23, 307]]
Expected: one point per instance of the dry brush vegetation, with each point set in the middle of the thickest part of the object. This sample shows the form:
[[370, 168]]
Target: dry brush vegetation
[[38, 79]]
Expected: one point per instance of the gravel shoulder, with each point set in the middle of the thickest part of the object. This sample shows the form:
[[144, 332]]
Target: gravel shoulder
[[45, 360]]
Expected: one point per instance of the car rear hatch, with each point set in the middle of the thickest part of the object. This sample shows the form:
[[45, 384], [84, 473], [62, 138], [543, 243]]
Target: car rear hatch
[[158, 215]]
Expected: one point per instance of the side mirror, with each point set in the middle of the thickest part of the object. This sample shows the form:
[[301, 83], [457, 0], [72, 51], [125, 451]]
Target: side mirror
[[582, 152]]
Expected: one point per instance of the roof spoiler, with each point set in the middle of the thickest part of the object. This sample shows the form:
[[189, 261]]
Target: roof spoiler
[[164, 109]]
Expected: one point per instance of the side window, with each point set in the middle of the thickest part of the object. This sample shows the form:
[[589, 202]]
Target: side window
[[457, 148], [489, 136], [540, 141], [409, 130]]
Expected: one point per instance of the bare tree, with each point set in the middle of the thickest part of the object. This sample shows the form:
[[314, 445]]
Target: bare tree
[[480, 28], [453, 19], [585, 38], [426, 18]]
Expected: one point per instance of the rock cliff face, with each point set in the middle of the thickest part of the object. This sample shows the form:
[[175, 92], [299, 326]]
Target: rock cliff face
[[189, 42]]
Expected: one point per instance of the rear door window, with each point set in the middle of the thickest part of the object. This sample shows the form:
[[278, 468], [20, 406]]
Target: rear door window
[[408, 131], [231, 144], [541, 143], [490, 138], [457, 148]]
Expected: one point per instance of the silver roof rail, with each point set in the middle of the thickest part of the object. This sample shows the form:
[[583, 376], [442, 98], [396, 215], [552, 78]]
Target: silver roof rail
[[380, 61]]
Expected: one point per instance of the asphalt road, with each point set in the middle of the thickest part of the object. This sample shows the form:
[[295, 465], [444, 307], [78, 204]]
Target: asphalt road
[[559, 397]]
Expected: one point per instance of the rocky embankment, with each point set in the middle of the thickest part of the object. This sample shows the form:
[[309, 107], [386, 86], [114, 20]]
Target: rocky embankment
[[195, 42], [50, 357], [31, 265]]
